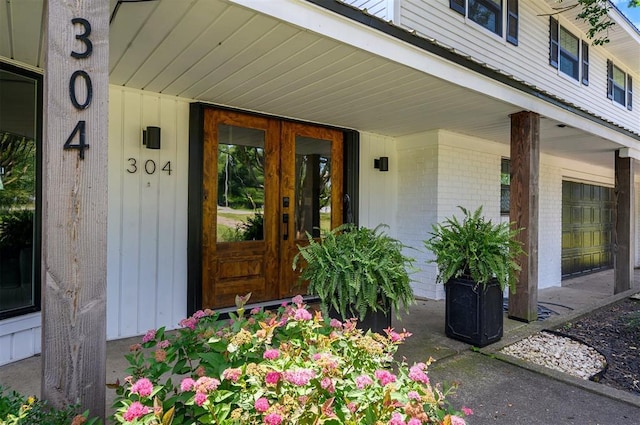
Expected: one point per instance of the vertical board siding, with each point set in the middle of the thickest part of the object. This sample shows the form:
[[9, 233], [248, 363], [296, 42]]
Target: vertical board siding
[[147, 213], [529, 61], [378, 196], [20, 338]]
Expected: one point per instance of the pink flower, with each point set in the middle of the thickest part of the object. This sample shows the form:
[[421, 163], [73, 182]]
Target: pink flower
[[189, 322], [232, 374], [302, 314], [151, 334], [272, 378], [299, 377], [457, 420], [416, 373], [271, 354], [199, 314], [327, 384], [273, 419], [164, 343], [261, 404], [385, 377], [143, 387], [413, 395], [363, 381], [396, 419], [467, 411], [200, 398], [297, 300], [204, 384], [414, 421], [255, 310], [135, 411], [335, 323], [187, 384], [352, 406]]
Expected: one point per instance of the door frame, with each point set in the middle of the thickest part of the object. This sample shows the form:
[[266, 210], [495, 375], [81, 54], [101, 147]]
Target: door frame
[[351, 148]]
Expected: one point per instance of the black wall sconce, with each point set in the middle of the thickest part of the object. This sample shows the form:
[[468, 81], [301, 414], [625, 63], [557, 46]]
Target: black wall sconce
[[151, 137], [381, 163]]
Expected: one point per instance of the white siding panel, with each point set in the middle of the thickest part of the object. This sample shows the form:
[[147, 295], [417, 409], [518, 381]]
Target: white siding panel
[[19, 338], [148, 213], [378, 195], [529, 61], [381, 8]]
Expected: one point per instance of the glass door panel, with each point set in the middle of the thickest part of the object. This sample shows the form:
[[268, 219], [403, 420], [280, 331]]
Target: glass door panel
[[241, 184]]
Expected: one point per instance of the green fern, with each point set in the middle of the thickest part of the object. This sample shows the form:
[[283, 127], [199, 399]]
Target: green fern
[[355, 270], [476, 249]]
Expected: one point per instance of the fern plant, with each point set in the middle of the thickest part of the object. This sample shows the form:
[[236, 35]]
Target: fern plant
[[476, 249], [355, 270]]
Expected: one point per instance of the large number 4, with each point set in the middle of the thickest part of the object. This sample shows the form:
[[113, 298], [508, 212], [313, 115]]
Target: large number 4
[[81, 145]]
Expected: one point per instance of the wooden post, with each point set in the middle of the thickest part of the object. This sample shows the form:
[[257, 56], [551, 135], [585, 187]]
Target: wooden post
[[523, 210], [623, 232], [74, 217]]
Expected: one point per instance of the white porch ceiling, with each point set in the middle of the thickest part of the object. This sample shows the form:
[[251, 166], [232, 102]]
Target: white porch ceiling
[[215, 51]]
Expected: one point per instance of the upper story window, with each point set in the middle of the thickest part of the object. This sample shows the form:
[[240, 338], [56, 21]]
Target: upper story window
[[492, 15], [619, 86], [568, 53]]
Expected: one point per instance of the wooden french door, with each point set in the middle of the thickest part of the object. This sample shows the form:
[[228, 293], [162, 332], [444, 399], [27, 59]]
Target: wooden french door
[[266, 182]]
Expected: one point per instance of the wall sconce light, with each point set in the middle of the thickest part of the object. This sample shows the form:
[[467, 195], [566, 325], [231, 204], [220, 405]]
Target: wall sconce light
[[151, 137], [381, 163]]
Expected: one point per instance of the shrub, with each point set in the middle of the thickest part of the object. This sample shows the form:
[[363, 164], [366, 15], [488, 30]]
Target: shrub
[[284, 367]]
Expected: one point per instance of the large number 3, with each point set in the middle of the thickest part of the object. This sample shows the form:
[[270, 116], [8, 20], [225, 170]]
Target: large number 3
[[84, 37]]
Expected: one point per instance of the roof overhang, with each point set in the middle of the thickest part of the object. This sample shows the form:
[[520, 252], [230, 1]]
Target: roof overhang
[[299, 60]]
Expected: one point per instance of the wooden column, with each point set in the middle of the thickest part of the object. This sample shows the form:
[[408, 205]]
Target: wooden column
[[74, 218], [523, 210], [623, 232]]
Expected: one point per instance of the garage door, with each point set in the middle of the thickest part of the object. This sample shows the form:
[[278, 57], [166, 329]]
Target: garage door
[[587, 228]]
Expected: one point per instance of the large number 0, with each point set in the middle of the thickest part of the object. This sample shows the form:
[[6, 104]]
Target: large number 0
[[84, 37], [72, 89], [81, 145]]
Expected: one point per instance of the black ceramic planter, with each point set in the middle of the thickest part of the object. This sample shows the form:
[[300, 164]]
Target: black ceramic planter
[[473, 312]]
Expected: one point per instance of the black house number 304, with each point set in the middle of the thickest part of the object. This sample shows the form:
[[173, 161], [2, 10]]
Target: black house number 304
[[77, 78], [149, 166]]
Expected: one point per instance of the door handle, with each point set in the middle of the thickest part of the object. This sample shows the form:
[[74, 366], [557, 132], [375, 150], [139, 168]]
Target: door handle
[[285, 222]]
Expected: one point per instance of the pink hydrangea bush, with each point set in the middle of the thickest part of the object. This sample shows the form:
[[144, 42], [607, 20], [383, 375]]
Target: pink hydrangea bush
[[289, 366]]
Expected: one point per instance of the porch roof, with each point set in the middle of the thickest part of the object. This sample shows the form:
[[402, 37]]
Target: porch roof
[[296, 59]]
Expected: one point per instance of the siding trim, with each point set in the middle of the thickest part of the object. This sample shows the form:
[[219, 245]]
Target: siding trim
[[358, 15]]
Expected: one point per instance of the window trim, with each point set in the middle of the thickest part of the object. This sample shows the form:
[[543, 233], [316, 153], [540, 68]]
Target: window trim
[[556, 50], [37, 242], [509, 18], [627, 89]]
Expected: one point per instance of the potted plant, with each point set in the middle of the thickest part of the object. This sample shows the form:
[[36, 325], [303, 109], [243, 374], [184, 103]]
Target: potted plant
[[357, 272], [476, 261]]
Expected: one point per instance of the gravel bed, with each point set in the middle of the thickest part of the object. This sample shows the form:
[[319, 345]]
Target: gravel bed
[[559, 353]]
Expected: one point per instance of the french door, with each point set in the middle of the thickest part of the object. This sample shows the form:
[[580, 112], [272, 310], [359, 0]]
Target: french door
[[266, 183]]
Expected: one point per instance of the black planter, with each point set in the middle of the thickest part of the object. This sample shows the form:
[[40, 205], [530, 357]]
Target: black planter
[[473, 312]]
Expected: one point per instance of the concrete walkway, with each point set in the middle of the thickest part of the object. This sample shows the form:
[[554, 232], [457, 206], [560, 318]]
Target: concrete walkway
[[499, 389]]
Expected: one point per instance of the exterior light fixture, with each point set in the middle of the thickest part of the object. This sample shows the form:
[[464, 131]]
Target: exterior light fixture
[[151, 137], [381, 163]]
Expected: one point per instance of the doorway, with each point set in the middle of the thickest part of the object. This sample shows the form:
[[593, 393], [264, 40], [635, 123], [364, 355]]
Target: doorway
[[265, 184]]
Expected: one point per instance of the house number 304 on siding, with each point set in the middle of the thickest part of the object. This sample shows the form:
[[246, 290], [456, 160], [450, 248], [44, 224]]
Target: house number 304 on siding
[[149, 166], [80, 77]]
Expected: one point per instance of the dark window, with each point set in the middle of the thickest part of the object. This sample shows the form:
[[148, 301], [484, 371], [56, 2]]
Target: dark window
[[565, 50], [20, 128], [619, 86], [487, 13], [491, 15], [505, 185]]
